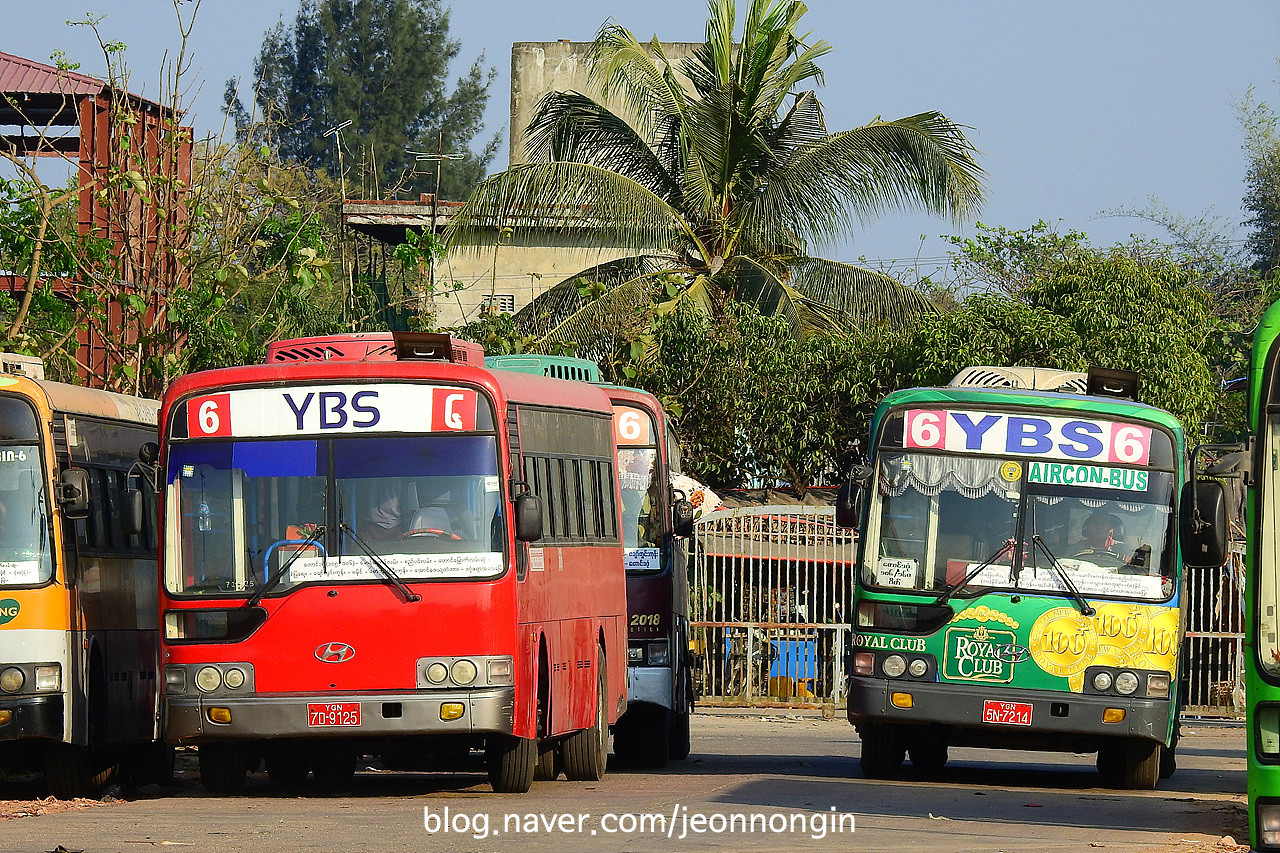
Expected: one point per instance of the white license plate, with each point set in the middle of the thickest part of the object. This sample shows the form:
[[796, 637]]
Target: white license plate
[[333, 714], [1006, 713]]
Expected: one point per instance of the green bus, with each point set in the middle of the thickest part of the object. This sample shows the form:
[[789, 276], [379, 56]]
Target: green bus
[[1019, 579]]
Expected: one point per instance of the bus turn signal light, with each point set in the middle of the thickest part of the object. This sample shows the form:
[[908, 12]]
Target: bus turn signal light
[[222, 716], [5, 717], [901, 700], [1113, 715], [451, 711]]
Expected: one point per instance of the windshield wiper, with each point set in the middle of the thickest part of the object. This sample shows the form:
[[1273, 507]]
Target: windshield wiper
[[278, 574], [1006, 548], [1085, 609], [387, 572]]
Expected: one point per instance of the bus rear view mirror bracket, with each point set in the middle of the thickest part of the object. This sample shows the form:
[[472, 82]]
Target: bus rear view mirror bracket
[[851, 495], [73, 493], [528, 517]]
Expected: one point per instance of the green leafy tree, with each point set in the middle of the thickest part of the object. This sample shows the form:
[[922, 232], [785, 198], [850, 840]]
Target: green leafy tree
[[383, 66], [718, 175], [1262, 182]]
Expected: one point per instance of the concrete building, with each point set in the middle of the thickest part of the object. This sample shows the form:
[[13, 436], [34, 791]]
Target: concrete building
[[512, 268]]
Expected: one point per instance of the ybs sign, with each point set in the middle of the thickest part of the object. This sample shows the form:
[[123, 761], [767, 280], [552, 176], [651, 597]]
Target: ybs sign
[[980, 654], [329, 409], [1023, 435]]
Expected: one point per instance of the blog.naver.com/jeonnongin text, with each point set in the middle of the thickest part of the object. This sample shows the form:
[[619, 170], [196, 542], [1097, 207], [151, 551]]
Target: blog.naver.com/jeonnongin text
[[679, 823]]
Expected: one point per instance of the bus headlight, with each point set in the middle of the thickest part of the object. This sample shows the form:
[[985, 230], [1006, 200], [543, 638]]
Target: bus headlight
[[49, 678], [175, 679], [1268, 817], [500, 671], [1126, 683], [893, 666], [1158, 685], [1102, 682], [918, 667], [463, 671], [658, 654], [208, 679], [234, 678], [12, 679], [437, 672]]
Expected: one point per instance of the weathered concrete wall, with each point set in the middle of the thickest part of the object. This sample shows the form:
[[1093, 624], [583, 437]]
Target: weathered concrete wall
[[538, 67]]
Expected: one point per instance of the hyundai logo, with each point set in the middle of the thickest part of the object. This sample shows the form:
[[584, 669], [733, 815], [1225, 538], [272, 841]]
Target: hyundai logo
[[334, 653]]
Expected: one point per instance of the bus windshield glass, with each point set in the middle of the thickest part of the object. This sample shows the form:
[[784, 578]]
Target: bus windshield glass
[[941, 522], [641, 516], [25, 557], [281, 513]]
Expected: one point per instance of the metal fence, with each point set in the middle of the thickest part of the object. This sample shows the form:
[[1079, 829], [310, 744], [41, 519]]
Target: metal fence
[[771, 589], [1213, 680]]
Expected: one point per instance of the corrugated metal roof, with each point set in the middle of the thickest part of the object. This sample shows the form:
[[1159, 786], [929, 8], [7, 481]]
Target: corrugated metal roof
[[25, 75]]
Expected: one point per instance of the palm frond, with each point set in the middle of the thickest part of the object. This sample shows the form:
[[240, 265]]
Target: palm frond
[[562, 300], [866, 296], [598, 206], [622, 311], [571, 127], [922, 160], [638, 75]]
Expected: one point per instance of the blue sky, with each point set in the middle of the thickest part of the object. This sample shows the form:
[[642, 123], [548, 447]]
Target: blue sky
[[1078, 107]]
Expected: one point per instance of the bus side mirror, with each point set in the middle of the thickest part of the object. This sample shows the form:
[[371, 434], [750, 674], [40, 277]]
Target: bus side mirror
[[73, 493], [528, 515], [682, 517], [131, 512], [1203, 524], [848, 503], [149, 453]]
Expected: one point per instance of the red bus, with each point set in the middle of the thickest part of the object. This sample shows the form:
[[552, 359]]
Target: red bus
[[655, 525], [374, 545]]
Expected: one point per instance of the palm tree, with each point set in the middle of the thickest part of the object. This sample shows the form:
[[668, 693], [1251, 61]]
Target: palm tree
[[718, 182]]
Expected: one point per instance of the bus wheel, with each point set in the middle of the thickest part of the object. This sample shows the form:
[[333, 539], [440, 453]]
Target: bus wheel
[[287, 765], [334, 768], [882, 751], [72, 771], [548, 766], [222, 767], [642, 738], [1168, 762], [928, 757], [1111, 763], [1142, 764], [680, 736], [586, 752], [511, 761]]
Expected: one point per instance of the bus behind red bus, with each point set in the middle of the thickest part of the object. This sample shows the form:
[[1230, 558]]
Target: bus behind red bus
[[374, 545]]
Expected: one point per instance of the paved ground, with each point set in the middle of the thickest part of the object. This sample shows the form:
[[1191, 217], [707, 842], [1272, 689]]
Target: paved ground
[[794, 775]]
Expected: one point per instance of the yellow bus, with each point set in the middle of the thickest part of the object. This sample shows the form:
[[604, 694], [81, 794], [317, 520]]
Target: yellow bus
[[78, 607]]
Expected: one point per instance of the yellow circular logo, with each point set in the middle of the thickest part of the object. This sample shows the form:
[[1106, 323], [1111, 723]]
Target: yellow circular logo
[[1124, 627], [1011, 471], [1063, 642]]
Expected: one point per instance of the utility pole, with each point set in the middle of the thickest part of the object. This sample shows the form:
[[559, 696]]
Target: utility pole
[[336, 133], [438, 158]]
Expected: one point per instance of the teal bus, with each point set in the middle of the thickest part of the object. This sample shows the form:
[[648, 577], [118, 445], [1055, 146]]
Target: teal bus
[[656, 523], [1019, 581]]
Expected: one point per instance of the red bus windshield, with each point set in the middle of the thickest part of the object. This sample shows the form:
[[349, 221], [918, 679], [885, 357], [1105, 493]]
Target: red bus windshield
[[327, 510]]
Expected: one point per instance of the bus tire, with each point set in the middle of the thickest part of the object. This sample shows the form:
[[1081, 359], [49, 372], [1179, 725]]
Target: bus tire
[[1168, 762], [1111, 763], [586, 752], [222, 767], [642, 738], [882, 751], [71, 771], [680, 742], [548, 766], [1142, 764], [511, 762]]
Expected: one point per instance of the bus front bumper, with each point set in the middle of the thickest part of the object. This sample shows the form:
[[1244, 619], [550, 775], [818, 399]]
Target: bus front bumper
[[651, 684], [960, 707], [492, 710], [31, 717]]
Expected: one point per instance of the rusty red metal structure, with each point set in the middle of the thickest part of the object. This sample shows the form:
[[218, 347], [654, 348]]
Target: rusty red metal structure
[[51, 112]]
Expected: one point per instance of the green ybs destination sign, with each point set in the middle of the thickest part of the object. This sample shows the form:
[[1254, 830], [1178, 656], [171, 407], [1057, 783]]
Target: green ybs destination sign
[[1088, 476]]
